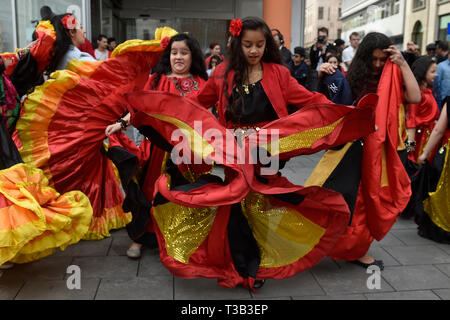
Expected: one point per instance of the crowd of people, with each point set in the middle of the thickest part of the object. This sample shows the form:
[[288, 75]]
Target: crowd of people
[[380, 114]]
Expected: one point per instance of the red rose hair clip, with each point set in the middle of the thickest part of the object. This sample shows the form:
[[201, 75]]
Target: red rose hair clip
[[235, 27], [165, 42], [69, 22]]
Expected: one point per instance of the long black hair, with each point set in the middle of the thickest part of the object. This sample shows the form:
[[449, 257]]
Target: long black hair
[[420, 68], [360, 70], [238, 63], [198, 67], [62, 43]]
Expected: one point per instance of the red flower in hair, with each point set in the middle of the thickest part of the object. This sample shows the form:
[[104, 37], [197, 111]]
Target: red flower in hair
[[165, 42], [235, 27], [69, 22]]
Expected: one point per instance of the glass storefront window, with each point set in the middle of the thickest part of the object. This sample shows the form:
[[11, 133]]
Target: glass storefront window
[[28, 12], [444, 21], [6, 28], [204, 30]]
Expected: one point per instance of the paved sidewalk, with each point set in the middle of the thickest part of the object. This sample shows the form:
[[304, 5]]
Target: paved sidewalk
[[415, 268]]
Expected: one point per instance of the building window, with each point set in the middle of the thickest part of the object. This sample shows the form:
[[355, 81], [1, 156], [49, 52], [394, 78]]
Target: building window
[[28, 14], [418, 4], [417, 35], [320, 13], [6, 28], [444, 22]]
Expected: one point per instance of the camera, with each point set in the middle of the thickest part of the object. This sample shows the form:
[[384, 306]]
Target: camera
[[321, 39]]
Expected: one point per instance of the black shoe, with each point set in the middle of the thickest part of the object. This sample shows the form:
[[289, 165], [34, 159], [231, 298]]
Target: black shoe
[[378, 263], [258, 284]]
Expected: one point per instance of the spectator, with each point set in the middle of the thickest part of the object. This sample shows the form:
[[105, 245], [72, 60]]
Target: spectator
[[431, 49], [102, 53], [350, 51], [412, 53], [317, 51], [87, 47], [299, 69], [335, 61], [279, 41], [441, 51], [443, 81], [214, 61], [214, 49], [340, 45], [112, 44]]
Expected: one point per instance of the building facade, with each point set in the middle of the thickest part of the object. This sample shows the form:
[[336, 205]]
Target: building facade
[[319, 14], [428, 21], [365, 16], [131, 19]]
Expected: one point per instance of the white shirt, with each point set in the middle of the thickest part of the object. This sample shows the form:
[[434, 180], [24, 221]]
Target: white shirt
[[348, 54], [74, 53], [101, 56]]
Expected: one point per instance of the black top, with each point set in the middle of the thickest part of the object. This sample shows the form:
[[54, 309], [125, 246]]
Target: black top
[[257, 107]]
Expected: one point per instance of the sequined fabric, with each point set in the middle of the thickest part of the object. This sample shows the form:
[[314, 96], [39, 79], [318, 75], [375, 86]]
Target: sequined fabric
[[282, 233], [184, 229], [437, 206]]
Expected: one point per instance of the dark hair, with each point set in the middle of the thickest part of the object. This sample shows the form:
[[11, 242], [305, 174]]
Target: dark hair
[[443, 45], [212, 45], [238, 63], [198, 67], [101, 36], [323, 29], [62, 43], [333, 56], [280, 36], [354, 34], [111, 40], [420, 68], [362, 64], [217, 58]]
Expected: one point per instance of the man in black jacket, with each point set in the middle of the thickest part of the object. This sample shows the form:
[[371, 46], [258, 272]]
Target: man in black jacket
[[279, 40], [317, 51]]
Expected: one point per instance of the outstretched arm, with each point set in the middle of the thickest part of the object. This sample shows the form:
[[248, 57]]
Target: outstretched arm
[[412, 90], [436, 135], [115, 127]]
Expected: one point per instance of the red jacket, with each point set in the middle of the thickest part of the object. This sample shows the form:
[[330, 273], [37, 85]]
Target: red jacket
[[278, 84]]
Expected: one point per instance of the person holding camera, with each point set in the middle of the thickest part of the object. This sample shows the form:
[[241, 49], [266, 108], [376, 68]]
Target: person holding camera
[[279, 41], [317, 52]]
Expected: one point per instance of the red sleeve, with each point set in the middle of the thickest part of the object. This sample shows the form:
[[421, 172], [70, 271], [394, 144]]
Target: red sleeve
[[207, 96], [149, 83], [297, 95], [411, 115]]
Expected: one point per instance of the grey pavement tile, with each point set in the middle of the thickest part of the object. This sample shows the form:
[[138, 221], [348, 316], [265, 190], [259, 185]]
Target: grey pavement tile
[[206, 289], [444, 294], [257, 297], [402, 223], [418, 255], [423, 277], [389, 240], [150, 264], [107, 267], [155, 288], [377, 253], [298, 285], [9, 288], [445, 268], [120, 245], [405, 295], [443, 246], [349, 279], [50, 268], [95, 248], [57, 290], [119, 232], [411, 238], [333, 297]]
